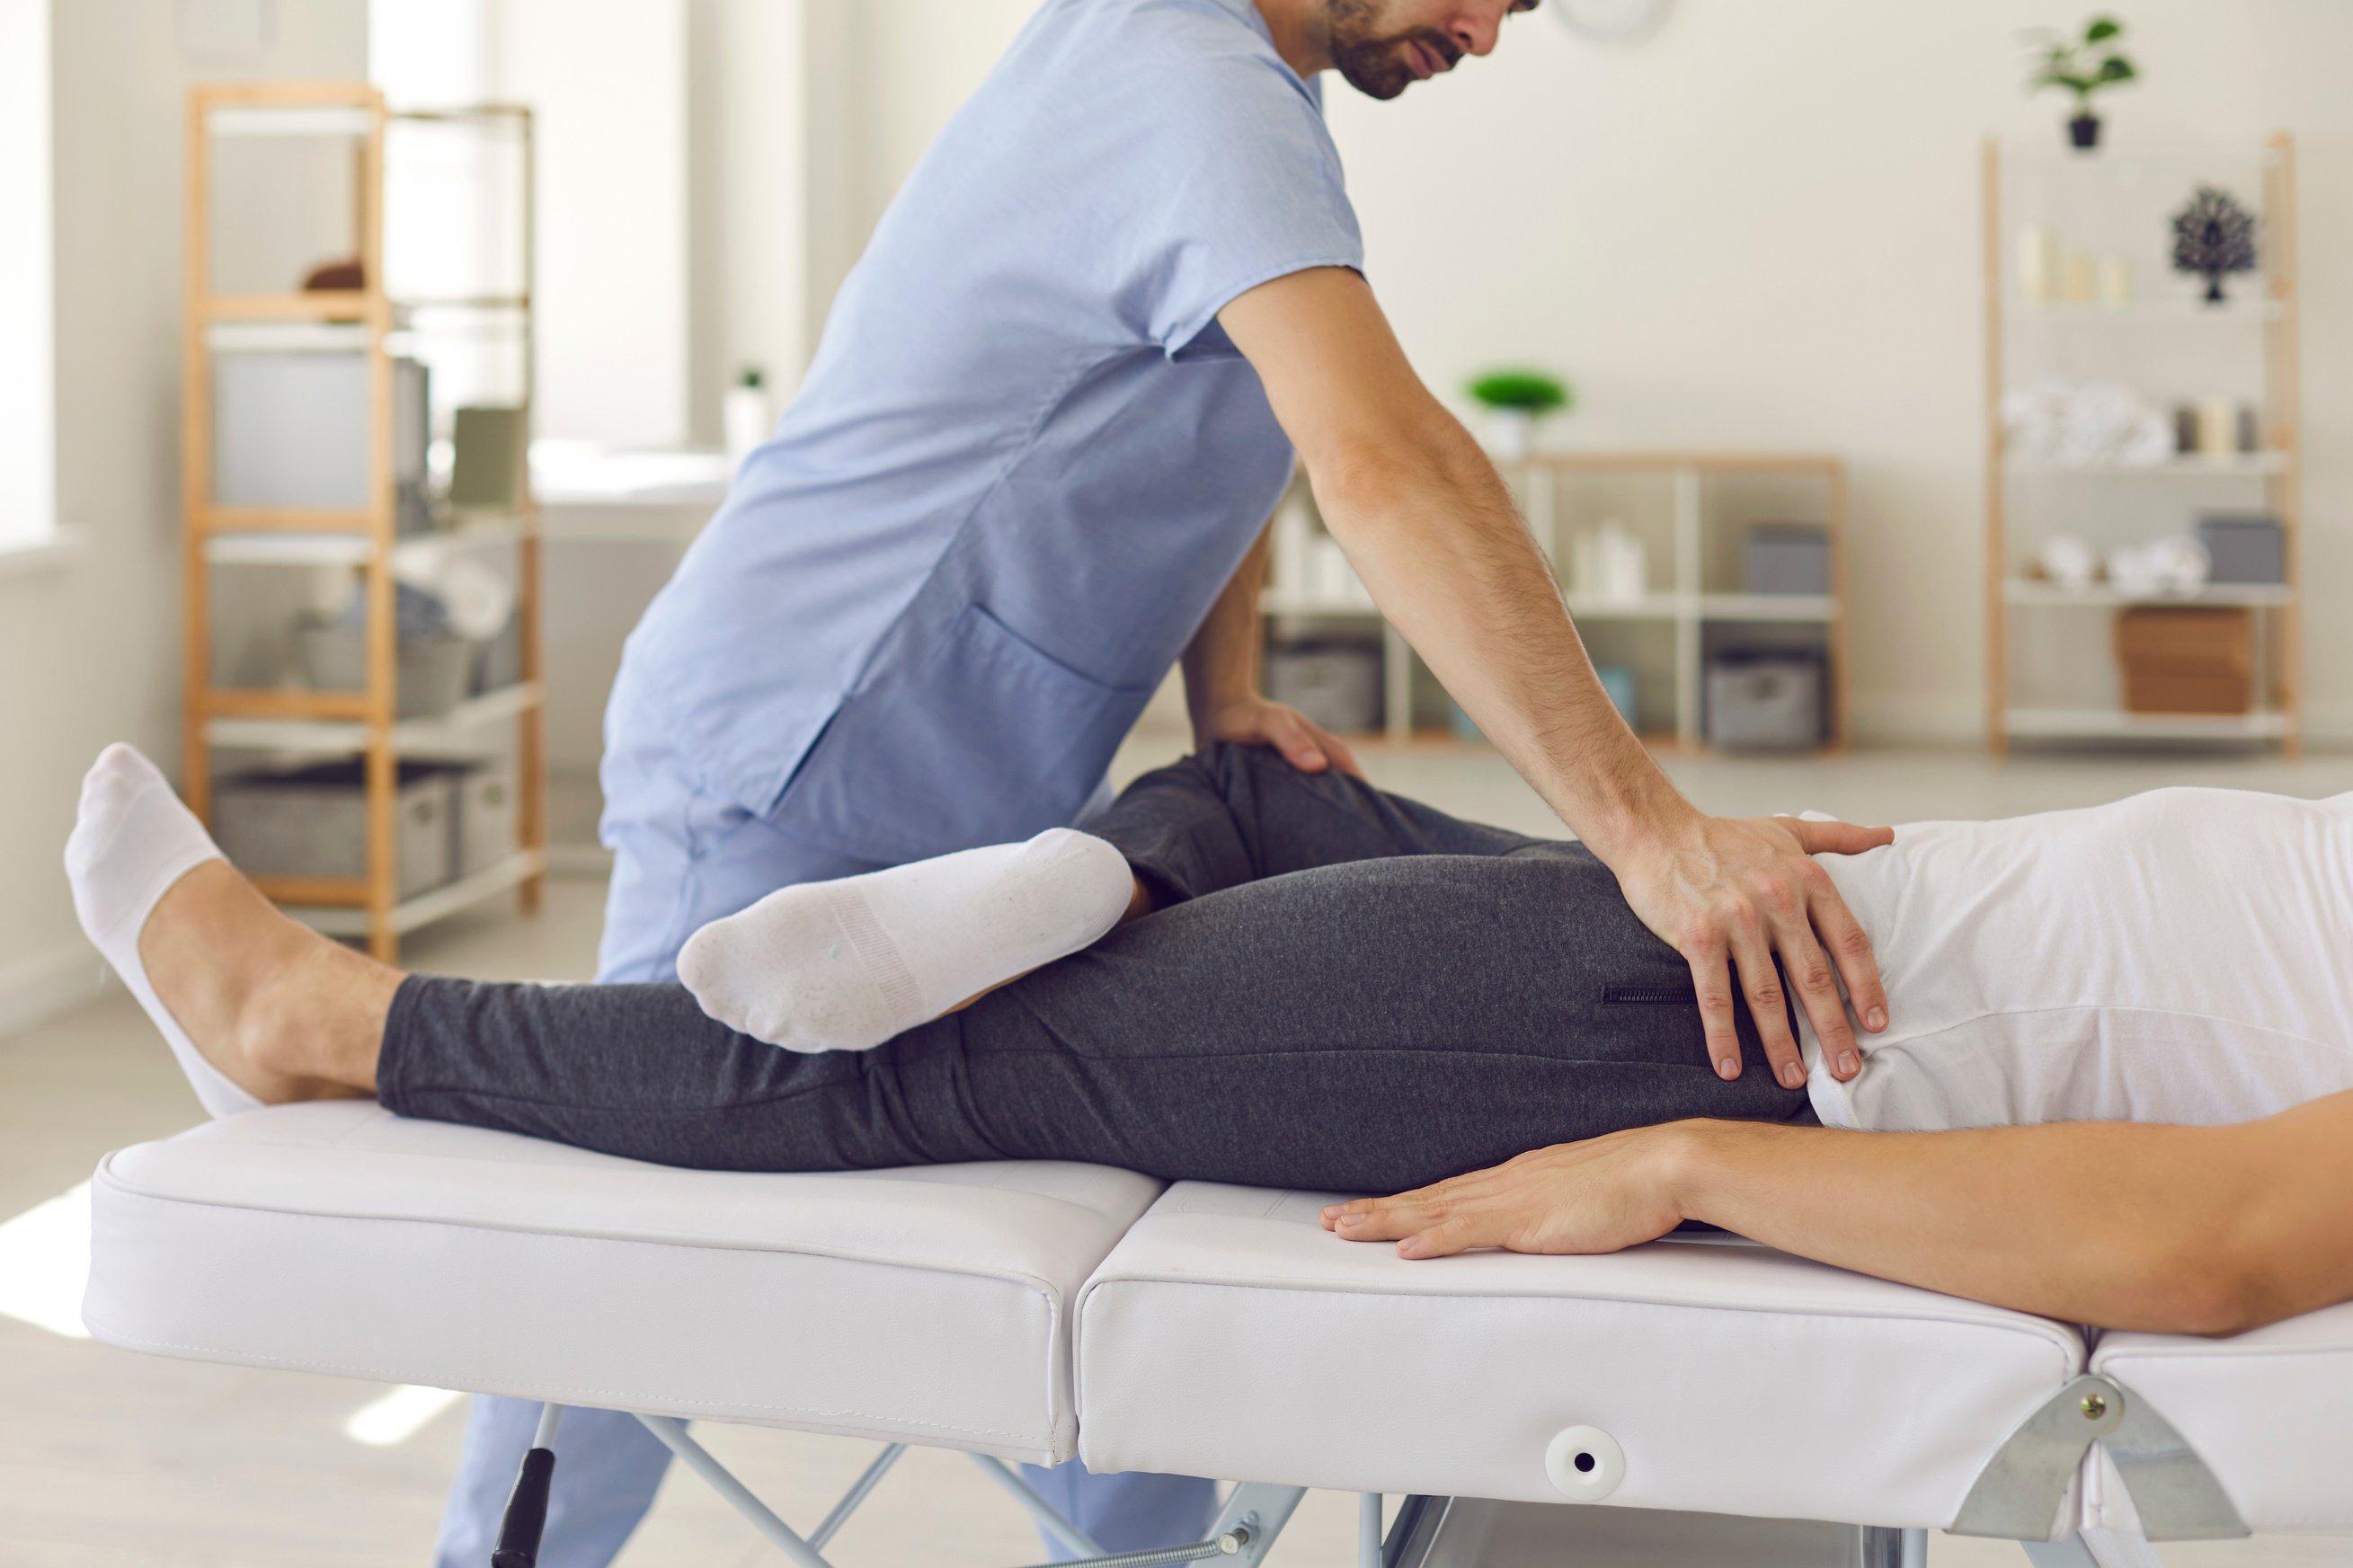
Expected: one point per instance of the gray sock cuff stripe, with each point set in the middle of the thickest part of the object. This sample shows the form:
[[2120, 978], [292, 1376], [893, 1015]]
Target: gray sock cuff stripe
[[881, 956]]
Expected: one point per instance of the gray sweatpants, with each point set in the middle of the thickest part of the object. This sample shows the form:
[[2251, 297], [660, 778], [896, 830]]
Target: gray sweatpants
[[1341, 990]]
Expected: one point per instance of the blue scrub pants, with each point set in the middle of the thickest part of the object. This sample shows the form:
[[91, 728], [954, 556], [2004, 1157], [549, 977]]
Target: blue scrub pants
[[682, 859]]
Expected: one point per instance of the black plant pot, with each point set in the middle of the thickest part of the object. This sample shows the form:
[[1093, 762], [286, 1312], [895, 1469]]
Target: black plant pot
[[2083, 130]]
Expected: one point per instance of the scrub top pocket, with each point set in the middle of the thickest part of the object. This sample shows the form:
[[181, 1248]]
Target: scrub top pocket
[[988, 740]]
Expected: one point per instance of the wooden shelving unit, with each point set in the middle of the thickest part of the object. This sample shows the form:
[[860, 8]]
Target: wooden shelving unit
[[1686, 604], [359, 723], [2267, 312]]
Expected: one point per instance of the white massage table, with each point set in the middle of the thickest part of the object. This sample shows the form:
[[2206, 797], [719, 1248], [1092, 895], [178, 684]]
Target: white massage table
[[1036, 1312]]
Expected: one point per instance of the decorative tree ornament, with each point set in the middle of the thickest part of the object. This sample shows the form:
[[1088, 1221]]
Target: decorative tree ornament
[[2213, 237]]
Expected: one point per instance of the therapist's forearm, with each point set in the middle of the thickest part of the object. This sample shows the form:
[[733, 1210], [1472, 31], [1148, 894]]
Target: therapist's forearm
[[1434, 533], [2173, 1229], [1221, 663]]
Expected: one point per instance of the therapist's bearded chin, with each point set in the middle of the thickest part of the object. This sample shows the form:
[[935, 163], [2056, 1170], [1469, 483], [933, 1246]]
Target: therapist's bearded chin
[[1383, 46]]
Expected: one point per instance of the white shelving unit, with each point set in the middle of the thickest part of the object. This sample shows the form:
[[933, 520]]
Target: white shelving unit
[[2110, 724], [2099, 596], [1688, 607], [2236, 465], [2023, 495]]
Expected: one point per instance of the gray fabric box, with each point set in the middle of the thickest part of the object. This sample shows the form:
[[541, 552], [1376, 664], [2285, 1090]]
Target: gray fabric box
[[1337, 684], [312, 823], [1786, 558], [488, 818], [290, 428], [1765, 703], [2245, 547], [430, 674]]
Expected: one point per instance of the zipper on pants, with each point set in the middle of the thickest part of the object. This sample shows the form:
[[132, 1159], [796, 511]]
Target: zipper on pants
[[1649, 996]]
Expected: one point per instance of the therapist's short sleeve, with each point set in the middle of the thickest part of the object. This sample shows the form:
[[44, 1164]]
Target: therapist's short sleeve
[[1252, 190]]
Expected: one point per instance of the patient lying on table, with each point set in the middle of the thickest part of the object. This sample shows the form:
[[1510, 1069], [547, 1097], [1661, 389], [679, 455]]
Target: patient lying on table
[[1299, 982]]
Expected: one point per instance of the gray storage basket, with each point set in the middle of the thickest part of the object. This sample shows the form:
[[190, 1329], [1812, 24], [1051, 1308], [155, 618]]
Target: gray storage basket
[[433, 673], [488, 816], [1786, 558], [1765, 703], [2248, 547], [311, 823], [1336, 684]]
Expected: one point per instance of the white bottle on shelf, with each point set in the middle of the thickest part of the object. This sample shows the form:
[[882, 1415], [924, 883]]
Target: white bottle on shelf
[[744, 414], [2038, 263], [1622, 565]]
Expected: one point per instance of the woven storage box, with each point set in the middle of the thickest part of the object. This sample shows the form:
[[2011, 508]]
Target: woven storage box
[[2192, 640], [2193, 659], [2158, 691]]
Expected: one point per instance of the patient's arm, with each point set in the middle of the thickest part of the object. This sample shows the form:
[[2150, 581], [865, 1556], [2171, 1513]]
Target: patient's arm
[[2175, 1229]]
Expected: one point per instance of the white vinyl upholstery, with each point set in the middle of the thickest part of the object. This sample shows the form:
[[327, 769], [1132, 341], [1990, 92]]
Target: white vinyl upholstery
[[1035, 1311], [1228, 1335], [2271, 1412], [930, 1306]]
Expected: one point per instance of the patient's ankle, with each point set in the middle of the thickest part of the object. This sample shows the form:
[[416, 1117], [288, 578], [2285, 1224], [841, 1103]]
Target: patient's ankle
[[316, 1021]]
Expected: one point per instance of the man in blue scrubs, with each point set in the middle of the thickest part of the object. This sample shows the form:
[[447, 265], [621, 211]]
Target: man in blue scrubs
[[1029, 468]]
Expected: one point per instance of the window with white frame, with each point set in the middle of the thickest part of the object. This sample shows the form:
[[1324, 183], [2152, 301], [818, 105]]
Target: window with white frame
[[27, 379]]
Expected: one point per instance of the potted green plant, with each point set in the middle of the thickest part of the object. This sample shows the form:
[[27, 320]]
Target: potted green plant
[[2084, 66], [1515, 400]]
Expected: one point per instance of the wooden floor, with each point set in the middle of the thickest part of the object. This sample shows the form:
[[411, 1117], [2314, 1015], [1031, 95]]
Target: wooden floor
[[114, 1460]]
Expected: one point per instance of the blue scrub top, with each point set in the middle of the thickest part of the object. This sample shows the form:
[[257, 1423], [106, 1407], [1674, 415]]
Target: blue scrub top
[[1026, 458]]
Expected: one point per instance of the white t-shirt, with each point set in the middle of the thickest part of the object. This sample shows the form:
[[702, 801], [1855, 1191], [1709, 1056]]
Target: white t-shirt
[[2182, 956]]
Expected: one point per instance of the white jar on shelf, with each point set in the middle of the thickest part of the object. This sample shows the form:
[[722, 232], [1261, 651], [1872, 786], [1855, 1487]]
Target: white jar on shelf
[[2038, 263], [743, 416]]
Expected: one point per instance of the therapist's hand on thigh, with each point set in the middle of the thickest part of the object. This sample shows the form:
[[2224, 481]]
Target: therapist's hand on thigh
[[1729, 895], [1256, 721]]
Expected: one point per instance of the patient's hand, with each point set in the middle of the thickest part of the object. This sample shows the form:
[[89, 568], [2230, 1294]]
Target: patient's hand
[[1596, 1196], [1255, 722]]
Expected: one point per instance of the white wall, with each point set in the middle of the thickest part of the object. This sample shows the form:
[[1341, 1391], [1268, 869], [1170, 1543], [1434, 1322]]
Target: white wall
[[748, 201], [1759, 228], [90, 646], [607, 79], [28, 435]]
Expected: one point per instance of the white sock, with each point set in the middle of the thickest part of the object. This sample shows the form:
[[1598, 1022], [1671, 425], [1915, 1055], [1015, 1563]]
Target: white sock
[[131, 841], [844, 965]]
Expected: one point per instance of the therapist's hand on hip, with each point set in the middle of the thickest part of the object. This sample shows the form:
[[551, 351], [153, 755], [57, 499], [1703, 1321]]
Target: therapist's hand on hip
[[1731, 895], [1433, 530], [1256, 721], [1222, 681]]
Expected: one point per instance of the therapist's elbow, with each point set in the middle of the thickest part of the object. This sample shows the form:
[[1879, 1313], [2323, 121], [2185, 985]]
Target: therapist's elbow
[[1369, 471]]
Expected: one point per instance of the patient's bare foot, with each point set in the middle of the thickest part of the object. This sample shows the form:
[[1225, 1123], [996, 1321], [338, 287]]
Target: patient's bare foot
[[282, 1011], [258, 1009]]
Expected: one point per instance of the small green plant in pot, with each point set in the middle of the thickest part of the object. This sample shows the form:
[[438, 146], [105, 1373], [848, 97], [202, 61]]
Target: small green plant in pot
[[2091, 64], [1515, 400]]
